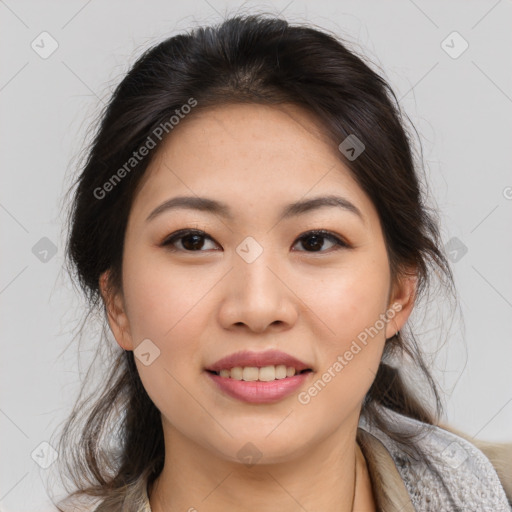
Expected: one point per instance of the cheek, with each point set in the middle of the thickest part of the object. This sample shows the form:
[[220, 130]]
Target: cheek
[[351, 333], [350, 338], [169, 308], [160, 298], [348, 300]]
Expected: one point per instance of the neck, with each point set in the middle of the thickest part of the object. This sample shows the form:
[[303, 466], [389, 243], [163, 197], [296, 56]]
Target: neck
[[363, 497], [332, 477]]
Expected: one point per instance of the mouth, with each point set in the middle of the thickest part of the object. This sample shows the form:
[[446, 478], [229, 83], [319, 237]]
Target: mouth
[[261, 374], [266, 366], [259, 384]]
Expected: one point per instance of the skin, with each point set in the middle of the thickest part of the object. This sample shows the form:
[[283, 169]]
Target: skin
[[199, 306]]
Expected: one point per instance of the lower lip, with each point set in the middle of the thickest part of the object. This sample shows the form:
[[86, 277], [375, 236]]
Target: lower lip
[[259, 392]]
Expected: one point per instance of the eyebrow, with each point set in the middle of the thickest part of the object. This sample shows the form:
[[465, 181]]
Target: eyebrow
[[205, 204]]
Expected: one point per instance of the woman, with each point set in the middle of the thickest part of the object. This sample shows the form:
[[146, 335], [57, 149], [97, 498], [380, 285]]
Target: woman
[[251, 220]]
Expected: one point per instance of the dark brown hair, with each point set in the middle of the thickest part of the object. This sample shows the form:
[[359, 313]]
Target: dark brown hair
[[254, 59]]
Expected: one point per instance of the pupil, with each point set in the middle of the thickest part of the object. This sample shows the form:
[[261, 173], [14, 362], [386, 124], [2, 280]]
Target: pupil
[[193, 245], [316, 241]]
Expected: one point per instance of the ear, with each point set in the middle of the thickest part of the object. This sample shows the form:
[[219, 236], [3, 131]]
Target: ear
[[402, 299], [116, 312]]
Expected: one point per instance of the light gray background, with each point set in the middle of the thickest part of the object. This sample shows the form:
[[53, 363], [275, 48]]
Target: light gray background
[[462, 107]]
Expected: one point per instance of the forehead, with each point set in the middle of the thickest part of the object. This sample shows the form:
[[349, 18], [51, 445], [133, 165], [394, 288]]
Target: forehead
[[248, 154]]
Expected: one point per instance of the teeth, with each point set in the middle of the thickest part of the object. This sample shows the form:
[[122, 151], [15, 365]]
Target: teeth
[[265, 373], [250, 373]]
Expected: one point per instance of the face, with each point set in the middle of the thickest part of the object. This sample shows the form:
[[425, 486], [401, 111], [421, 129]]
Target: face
[[201, 285]]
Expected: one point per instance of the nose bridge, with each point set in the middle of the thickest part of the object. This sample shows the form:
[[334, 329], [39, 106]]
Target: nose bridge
[[255, 295], [252, 265]]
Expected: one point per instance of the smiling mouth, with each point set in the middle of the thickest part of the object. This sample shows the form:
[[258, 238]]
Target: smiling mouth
[[261, 374]]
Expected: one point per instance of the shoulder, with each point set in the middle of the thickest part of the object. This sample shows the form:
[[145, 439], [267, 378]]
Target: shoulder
[[453, 474], [498, 453]]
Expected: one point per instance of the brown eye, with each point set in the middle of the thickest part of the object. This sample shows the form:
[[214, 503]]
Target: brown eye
[[194, 241], [190, 240], [313, 241]]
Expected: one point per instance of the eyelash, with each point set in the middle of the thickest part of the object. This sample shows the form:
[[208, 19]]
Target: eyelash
[[178, 235]]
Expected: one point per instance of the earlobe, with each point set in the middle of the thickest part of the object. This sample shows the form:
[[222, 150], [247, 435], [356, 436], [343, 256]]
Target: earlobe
[[401, 304], [116, 314]]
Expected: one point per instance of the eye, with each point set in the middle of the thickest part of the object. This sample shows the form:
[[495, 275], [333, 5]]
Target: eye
[[193, 240], [314, 240]]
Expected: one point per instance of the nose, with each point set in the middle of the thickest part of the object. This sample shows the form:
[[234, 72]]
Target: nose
[[257, 297]]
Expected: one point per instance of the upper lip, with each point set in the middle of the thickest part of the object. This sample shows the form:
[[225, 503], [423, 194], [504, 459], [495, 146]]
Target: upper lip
[[258, 359]]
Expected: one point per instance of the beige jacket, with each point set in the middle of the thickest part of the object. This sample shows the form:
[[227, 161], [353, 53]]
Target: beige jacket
[[464, 474]]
